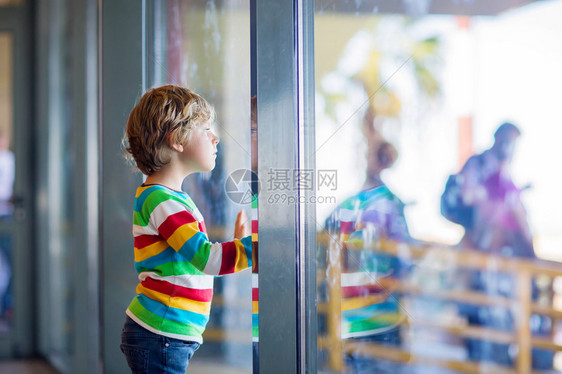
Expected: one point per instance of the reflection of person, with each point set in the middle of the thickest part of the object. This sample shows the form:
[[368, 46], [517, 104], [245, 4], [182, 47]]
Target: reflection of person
[[499, 220], [373, 213], [498, 225], [169, 136], [7, 173]]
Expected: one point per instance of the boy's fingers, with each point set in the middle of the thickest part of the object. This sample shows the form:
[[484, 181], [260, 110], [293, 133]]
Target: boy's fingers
[[242, 216]]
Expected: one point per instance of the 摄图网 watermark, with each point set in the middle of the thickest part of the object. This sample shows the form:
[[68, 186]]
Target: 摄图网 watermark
[[283, 186]]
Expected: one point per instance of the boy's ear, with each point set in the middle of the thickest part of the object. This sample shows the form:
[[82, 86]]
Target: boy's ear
[[175, 146]]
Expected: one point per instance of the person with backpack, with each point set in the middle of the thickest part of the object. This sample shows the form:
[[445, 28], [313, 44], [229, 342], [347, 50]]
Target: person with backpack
[[485, 201]]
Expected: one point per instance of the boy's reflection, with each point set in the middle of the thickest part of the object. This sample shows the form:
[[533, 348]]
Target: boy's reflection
[[373, 213]]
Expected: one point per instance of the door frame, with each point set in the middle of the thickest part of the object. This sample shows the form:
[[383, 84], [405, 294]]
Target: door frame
[[287, 232]]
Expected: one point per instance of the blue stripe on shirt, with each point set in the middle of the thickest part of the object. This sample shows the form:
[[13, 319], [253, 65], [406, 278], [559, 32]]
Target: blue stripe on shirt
[[173, 314]]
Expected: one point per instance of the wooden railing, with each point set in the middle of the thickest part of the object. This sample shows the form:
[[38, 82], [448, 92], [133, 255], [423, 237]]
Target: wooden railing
[[523, 271]]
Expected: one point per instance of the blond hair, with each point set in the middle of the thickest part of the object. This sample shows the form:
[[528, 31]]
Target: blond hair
[[164, 116]]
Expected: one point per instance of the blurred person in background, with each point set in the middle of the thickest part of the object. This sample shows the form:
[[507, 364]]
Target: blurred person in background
[[7, 173], [484, 200], [499, 220]]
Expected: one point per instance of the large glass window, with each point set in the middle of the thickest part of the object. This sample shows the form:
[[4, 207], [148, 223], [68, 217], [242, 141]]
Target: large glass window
[[437, 195], [205, 46]]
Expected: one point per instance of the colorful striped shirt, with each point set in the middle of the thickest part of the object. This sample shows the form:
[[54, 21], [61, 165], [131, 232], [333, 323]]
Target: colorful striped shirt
[[255, 277], [176, 263], [362, 218]]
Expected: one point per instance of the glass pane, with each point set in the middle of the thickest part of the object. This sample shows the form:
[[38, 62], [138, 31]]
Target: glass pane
[[205, 46], [7, 174], [439, 240]]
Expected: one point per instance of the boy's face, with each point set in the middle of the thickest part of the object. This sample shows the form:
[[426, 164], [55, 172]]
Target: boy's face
[[200, 150]]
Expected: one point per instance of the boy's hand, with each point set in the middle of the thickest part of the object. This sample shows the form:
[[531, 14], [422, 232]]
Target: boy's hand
[[243, 226]]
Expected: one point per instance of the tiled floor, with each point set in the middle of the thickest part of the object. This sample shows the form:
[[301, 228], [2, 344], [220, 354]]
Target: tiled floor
[[41, 367], [26, 367], [199, 367]]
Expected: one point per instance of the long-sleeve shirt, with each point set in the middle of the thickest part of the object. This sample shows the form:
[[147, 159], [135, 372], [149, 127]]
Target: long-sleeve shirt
[[176, 263], [370, 214], [255, 276]]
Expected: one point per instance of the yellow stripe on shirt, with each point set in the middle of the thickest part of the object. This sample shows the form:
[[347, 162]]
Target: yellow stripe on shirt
[[200, 307], [183, 234], [241, 259], [149, 251]]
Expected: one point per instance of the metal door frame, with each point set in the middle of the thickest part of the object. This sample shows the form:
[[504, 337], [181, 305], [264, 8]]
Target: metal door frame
[[287, 232]]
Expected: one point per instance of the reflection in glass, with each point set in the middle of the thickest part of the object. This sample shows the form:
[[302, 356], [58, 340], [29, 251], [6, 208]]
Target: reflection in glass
[[205, 46], [440, 253]]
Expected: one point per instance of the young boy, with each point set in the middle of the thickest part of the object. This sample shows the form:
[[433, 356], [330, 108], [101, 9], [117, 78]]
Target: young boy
[[169, 136]]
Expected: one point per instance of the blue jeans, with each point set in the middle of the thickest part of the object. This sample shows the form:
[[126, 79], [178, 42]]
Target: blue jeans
[[149, 353], [255, 357]]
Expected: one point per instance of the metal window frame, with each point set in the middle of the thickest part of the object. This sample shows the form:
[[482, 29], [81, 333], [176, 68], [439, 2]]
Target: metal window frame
[[84, 85], [54, 78], [121, 83], [287, 232]]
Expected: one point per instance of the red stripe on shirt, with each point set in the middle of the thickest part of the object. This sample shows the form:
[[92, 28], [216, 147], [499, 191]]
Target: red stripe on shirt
[[356, 291], [202, 227], [255, 294], [254, 226], [170, 225], [142, 241], [228, 258], [168, 288], [347, 227]]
